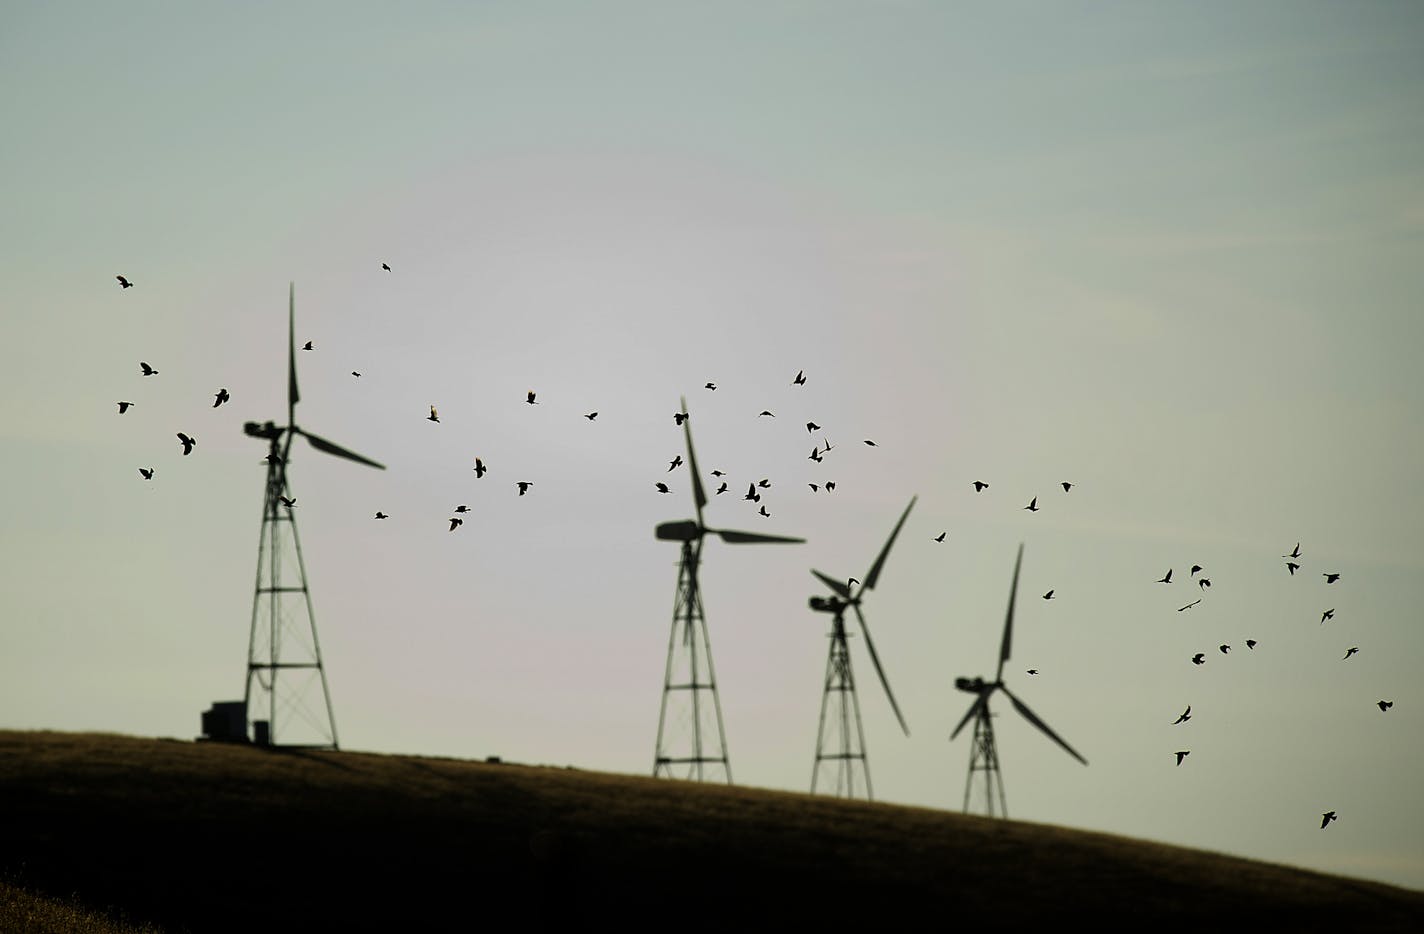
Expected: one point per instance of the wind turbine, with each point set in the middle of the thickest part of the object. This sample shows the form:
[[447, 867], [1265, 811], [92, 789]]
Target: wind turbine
[[283, 655], [846, 749], [984, 756], [690, 675]]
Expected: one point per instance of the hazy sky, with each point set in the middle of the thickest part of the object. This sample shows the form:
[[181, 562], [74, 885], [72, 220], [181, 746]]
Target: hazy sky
[[1168, 252]]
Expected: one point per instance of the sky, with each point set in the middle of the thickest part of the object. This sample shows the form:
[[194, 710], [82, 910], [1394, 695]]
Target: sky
[[1168, 253]]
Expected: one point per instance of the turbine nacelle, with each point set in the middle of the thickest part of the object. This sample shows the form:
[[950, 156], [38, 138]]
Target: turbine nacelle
[[267, 430], [973, 685], [684, 531], [827, 605]]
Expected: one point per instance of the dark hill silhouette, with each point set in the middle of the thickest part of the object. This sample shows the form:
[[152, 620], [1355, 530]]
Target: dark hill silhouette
[[208, 837]]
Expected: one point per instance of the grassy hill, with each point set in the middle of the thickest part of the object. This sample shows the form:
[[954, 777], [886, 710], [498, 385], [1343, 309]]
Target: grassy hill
[[207, 837]]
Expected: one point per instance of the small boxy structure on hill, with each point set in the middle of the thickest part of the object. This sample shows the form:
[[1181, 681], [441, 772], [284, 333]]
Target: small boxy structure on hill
[[225, 722]]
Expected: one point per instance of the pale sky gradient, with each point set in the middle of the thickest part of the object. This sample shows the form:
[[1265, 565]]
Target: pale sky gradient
[[1169, 252]]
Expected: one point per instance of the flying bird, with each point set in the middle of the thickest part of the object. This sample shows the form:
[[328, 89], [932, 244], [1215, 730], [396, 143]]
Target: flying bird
[[1250, 643], [752, 494], [662, 488], [1166, 578], [462, 508], [355, 374], [124, 283], [1032, 505], [433, 416], [940, 536], [1292, 567], [1331, 578], [765, 412], [385, 267], [712, 386], [124, 407], [456, 522], [1326, 818], [289, 503], [1195, 569], [381, 515], [147, 472], [763, 512], [719, 473], [1182, 754], [675, 463], [187, 443], [800, 379], [1350, 651], [1186, 715], [1067, 486], [869, 442], [812, 426], [1204, 583], [273, 458], [1224, 648], [307, 345], [1048, 596], [1199, 658], [679, 417], [591, 416], [813, 487], [815, 455], [1032, 671], [530, 398], [1328, 614], [220, 397], [830, 485], [980, 486], [147, 370], [764, 483], [1295, 553], [721, 489], [1385, 705], [1189, 605], [479, 468], [851, 582], [523, 485]]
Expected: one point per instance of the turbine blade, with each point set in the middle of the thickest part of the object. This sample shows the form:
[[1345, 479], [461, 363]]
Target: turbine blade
[[875, 659], [874, 573], [292, 395], [326, 447], [838, 586], [699, 495], [1031, 717], [979, 701], [751, 538], [1009, 618]]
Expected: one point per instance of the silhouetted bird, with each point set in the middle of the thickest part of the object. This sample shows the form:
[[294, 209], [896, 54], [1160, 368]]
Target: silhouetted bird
[[827, 444], [187, 443], [764, 483], [940, 536], [675, 463], [433, 416], [1292, 567], [1331, 578], [765, 412], [124, 407], [1195, 569], [752, 494], [830, 485], [1182, 754], [273, 458], [763, 512], [815, 455], [289, 503], [679, 418], [385, 267], [721, 489], [869, 442], [462, 508], [719, 473], [1199, 658], [1048, 596], [1224, 648], [1326, 818], [1166, 578], [1204, 583], [530, 398], [1189, 605], [812, 426], [1385, 705], [1186, 715], [712, 386], [1032, 671], [1350, 651], [1067, 486], [1328, 614], [800, 379], [147, 370], [662, 488], [523, 485], [1295, 553], [1250, 643], [1032, 505], [220, 398], [147, 472], [591, 416], [980, 486], [381, 515], [355, 374], [124, 283], [456, 522], [813, 487], [851, 582], [479, 468], [307, 345]]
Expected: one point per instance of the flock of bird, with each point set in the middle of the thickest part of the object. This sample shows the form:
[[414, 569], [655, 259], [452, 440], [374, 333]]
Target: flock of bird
[[819, 451]]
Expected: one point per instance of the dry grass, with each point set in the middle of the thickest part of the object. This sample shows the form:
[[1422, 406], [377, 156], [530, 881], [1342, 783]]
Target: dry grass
[[207, 837]]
